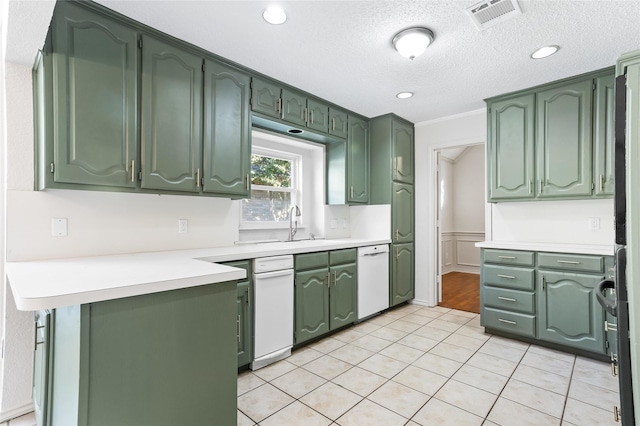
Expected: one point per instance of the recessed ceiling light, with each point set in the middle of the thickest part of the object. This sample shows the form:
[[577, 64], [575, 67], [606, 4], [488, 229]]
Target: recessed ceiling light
[[404, 95], [544, 52], [274, 15]]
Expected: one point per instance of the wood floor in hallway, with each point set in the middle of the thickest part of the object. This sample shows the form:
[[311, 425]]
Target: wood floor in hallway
[[461, 291]]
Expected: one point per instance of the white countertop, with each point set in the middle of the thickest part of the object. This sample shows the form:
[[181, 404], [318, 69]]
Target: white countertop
[[49, 284], [606, 250]]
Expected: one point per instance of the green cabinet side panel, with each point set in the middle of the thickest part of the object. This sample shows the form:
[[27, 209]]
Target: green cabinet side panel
[[338, 123], [171, 117], [603, 136], [227, 130], [402, 273], [42, 359], [402, 213], [343, 301], [95, 107], [335, 155], [510, 148], [381, 161], [402, 151], [358, 161], [244, 323], [563, 141], [311, 304], [294, 107], [568, 312], [318, 116], [265, 97], [162, 359]]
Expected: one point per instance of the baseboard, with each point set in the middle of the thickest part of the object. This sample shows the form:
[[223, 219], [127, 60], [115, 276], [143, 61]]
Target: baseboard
[[421, 303], [465, 269], [16, 412]]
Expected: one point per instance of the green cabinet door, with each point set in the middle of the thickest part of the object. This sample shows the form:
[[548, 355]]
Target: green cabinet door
[[312, 304], [95, 68], [227, 130], [41, 367], [568, 312], [342, 295], [338, 122], [510, 149], [603, 136], [358, 161], [402, 273], [244, 323], [563, 141], [402, 152], [171, 117], [318, 116], [265, 98], [294, 107], [402, 213]]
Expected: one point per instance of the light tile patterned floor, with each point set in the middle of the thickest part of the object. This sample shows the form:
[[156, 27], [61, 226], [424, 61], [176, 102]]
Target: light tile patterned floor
[[427, 366]]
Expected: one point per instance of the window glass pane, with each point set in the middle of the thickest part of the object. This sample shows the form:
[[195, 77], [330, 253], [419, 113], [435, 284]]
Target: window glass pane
[[266, 206], [270, 171]]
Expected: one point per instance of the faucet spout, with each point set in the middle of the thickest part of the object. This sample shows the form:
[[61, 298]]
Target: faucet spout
[[295, 210]]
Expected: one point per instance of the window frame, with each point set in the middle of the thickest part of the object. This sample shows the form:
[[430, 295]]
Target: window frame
[[295, 190]]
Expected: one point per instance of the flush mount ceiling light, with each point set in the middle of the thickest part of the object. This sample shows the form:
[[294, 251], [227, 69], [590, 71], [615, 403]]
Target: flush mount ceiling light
[[274, 15], [412, 41], [544, 52], [404, 95]]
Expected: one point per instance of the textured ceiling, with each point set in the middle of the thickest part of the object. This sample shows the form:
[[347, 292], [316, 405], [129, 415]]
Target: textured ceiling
[[341, 50]]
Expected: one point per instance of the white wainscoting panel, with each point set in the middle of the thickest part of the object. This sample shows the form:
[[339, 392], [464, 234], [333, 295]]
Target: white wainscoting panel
[[459, 253]]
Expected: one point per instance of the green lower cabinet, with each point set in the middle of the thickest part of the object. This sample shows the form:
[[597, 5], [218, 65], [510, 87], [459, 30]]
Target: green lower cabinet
[[312, 304], [244, 324], [42, 367], [568, 312], [165, 358], [402, 273], [342, 294]]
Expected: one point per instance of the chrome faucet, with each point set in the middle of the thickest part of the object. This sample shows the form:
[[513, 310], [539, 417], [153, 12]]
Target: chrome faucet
[[292, 232]]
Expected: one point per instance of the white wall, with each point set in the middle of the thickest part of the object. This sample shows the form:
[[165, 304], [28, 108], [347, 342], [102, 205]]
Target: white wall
[[447, 196], [469, 190]]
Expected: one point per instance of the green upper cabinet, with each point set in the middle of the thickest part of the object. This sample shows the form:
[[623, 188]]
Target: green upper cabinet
[[171, 117], [317, 115], [311, 304], [343, 298], [402, 152], [338, 122], [358, 161], [265, 97], [402, 273], [294, 107], [510, 148], [564, 140], [227, 130], [402, 213], [603, 136], [568, 312], [94, 109]]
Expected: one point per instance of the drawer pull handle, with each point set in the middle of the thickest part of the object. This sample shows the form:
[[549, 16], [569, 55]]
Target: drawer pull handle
[[508, 299], [507, 257], [569, 262], [511, 277], [507, 321]]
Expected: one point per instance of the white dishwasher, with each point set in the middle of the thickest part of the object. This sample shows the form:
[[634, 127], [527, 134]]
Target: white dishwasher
[[273, 309], [373, 280]]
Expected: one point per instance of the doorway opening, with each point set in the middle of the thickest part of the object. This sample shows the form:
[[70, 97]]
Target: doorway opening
[[460, 225]]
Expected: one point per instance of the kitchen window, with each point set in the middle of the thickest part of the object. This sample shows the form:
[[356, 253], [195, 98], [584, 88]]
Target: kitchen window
[[275, 188]]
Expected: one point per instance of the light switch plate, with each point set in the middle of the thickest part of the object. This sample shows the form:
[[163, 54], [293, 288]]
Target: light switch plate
[[594, 223], [334, 223], [59, 227]]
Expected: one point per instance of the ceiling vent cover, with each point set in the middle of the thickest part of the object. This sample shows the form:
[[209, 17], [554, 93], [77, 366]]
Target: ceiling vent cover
[[491, 12]]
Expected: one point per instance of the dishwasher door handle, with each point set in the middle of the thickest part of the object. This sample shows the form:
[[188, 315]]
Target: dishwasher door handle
[[375, 254], [273, 274]]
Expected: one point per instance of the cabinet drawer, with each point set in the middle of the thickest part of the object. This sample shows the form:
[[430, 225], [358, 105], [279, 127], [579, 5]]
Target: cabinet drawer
[[504, 276], [511, 300], [571, 262], [339, 257], [510, 257], [311, 260], [511, 322]]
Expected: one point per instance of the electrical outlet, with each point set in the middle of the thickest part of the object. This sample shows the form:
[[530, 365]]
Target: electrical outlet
[[594, 223], [345, 223], [59, 227], [334, 223], [183, 226]]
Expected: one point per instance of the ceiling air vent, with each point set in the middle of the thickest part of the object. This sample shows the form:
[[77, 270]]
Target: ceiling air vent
[[491, 12]]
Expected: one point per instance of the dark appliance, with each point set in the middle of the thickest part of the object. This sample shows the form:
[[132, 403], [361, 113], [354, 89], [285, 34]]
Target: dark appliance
[[619, 306]]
